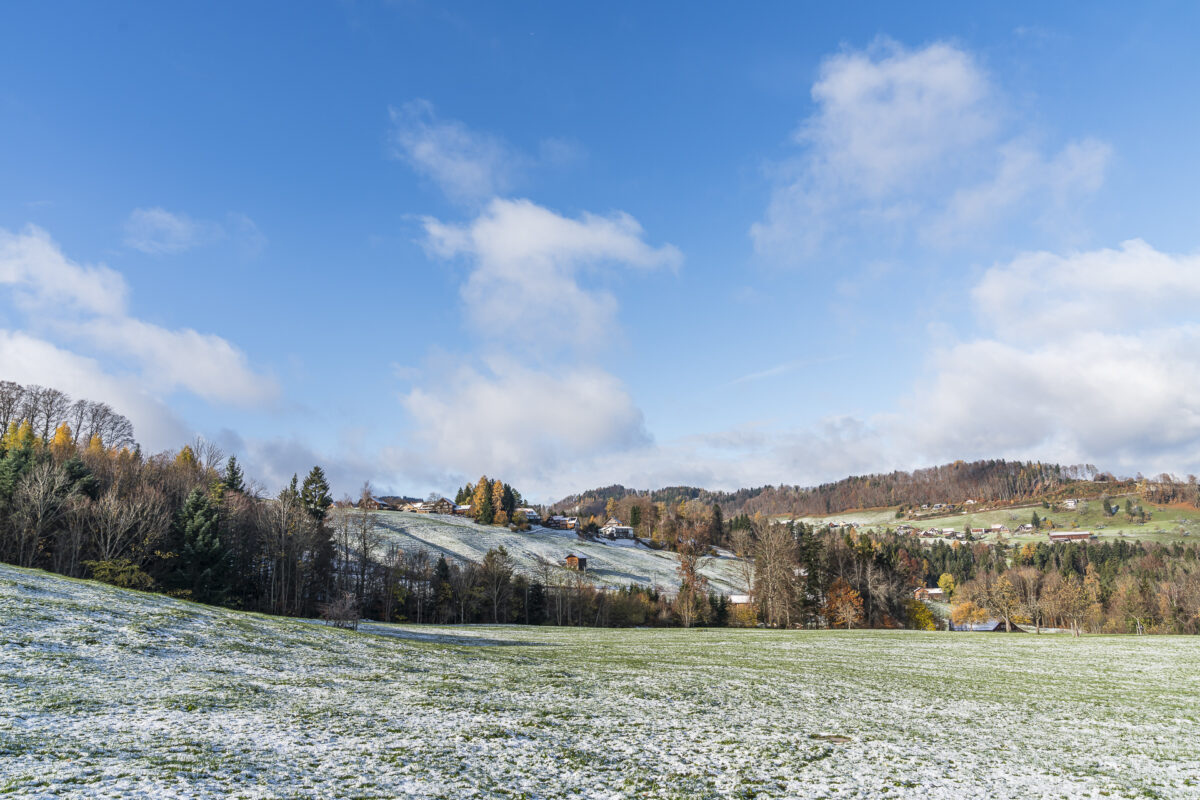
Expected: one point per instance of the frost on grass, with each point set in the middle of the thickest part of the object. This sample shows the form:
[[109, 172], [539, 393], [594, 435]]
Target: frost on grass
[[608, 564], [118, 694]]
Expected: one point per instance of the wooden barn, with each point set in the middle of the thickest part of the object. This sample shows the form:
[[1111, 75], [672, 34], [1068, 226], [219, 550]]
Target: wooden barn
[[575, 562]]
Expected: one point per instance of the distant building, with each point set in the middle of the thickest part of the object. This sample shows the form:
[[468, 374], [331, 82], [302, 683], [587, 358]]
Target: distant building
[[1070, 505], [1070, 536], [991, 626], [613, 529], [463, 510], [924, 593], [740, 600], [575, 562], [532, 516]]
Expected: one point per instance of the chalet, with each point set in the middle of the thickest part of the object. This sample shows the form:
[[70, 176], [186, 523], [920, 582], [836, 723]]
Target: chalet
[[934, 594], [1000, 529], [532, 516], [375, 504], [561, 523], [740, 600], [439, 506], [575, 562], [1025, 528], [1070, 536], [613, 529], [1070, 505], [462, 510]]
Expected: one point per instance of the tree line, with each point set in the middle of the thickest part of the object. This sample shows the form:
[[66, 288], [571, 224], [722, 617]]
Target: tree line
[[986, 481]]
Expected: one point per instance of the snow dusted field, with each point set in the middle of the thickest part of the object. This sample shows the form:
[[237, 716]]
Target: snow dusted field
[[107, 693], [608, 564]]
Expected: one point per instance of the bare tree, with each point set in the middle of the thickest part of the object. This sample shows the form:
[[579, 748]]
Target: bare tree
[[774, 574], [341, 612], [77, 415], [38, 504], [496, 577], [11, 396], [52, 410], [31, 405], [367, 539]]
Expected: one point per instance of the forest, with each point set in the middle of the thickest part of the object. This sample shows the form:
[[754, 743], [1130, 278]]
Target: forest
[[994, 481]]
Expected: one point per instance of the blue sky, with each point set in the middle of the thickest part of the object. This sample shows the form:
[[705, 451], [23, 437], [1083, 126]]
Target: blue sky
[[577, 245]]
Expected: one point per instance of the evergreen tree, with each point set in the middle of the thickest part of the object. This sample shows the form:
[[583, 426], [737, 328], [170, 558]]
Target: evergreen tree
[[235, 481], [508, 501], [203, 561], [716, 526], [315, 494], [484, 513], [1035, 521]]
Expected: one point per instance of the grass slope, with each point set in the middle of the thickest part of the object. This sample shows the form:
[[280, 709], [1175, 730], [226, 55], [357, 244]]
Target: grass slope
[[109, 693], [608, 564], [1174, 523]]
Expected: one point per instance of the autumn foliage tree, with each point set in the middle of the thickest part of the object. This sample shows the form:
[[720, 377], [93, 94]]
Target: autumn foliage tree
[[844, 606]]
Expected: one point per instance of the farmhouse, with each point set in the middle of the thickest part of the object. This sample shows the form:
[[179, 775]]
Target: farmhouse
[[740, 600], [1070, 536], [439, 506], [575, 562], [532, 516], [924, 593], [1070, 505], [463, 510], [613, 529]]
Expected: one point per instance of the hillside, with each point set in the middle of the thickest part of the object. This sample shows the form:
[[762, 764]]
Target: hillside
[[608, 564], [1167, 523], [112, 693], [991, 481]]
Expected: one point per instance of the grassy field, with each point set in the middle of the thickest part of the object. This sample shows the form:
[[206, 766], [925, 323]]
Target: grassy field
[[108, 693], [1169, 523]]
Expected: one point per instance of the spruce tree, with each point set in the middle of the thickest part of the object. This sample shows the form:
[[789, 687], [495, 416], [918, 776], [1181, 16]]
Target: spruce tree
[[315, 494], [235, 481], [203, 562]]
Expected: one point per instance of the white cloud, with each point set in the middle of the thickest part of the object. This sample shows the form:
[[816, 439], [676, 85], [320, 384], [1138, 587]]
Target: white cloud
[[526, 266], [86, 305], [514, 421], [36, 269], [1087, 357], [202, 364], [915, 140], [465, 164], [157, 231], [29, 360]]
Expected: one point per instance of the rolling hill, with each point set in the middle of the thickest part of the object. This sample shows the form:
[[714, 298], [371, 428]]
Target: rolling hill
[[540, 549]]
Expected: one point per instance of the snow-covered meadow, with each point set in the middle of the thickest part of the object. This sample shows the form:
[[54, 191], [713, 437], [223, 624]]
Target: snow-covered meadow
[[111, 693], [609, 564]]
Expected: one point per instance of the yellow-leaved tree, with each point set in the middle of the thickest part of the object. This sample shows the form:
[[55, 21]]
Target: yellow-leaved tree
[[62, 446]]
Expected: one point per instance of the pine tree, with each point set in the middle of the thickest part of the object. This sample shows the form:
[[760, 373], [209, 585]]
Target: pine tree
[[235, 481], [509, 503], [315, 494]]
